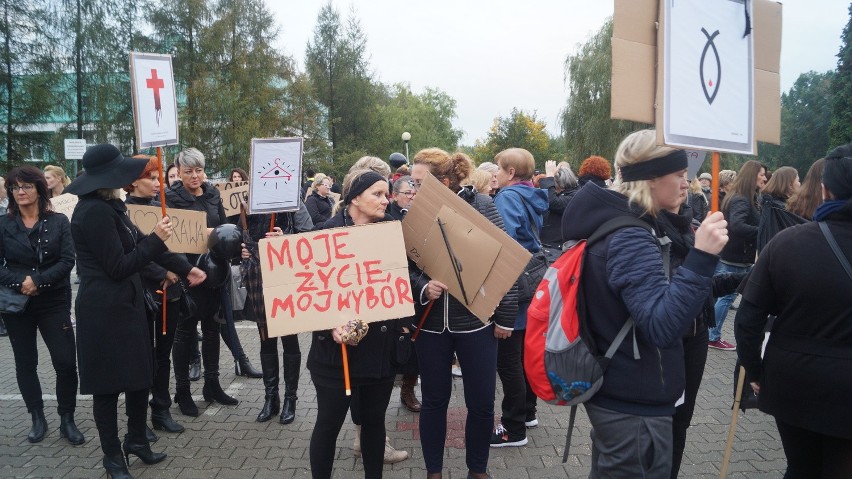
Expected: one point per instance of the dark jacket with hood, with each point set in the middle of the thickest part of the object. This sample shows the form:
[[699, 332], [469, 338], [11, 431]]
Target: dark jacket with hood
[[518, 205], [743, 219], [319, 207], [551, 230], [624, 278], [804, 375], [448, 313], [370, 361]]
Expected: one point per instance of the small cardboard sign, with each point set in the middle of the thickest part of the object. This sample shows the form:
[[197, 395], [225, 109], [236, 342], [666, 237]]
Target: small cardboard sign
[[322, 279], [190, 227], [276, 171], [64, 204], [490, 260], [152, 84], [233, 194]]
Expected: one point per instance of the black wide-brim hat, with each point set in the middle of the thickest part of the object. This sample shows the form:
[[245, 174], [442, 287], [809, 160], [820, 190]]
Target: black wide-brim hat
[[105, 167]]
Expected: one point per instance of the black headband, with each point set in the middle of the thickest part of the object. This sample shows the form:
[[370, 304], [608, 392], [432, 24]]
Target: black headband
[[655, 168], [360, 185]]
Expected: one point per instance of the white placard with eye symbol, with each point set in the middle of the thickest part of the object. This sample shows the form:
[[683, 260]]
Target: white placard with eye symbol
[[708, 78], [276, 171]]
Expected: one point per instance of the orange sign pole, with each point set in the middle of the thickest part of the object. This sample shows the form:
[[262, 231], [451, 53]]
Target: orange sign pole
[[346, 370], [163, 206], [714, 167]]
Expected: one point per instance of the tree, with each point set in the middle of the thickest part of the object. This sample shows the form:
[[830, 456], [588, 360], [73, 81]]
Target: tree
[[840, 131], [29, 73], [519, 130], [586, 123]]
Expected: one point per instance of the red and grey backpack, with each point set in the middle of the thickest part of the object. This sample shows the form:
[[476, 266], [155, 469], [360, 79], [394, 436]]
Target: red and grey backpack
[[561, 361]]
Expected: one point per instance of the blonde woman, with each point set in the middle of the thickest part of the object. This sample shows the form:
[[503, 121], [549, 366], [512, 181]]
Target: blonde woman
[[57, 180]]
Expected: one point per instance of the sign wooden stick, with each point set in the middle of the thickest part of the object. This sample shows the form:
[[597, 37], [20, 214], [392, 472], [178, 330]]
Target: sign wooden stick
[[732, 428], [714, 168], [163, 206], [346, 370], [422, 320]]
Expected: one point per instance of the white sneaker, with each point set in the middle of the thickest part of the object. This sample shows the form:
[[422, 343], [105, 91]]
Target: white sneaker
[[457, 371], [392, 456]]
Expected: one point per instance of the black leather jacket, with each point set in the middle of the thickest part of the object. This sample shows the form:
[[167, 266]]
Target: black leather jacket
[[18, 248]]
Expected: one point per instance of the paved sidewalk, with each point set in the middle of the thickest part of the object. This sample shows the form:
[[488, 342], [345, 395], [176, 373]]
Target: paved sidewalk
[[226, 442]]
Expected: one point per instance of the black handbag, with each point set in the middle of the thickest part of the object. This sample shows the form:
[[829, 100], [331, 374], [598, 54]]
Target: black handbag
[[12, 302], [533, 274], [187, 305]]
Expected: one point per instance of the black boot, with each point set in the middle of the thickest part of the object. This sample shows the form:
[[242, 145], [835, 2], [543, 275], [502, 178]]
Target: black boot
[[183, 398], [195, 368], [269, 365], [116, 468], [39, 426], [142, 451], [150, 436], [162, 420], [243, 367], [69, 430], [292, 366], [213, 392]]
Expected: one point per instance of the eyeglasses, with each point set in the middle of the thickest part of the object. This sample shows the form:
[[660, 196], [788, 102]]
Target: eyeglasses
[[407, 194], [26, 188]]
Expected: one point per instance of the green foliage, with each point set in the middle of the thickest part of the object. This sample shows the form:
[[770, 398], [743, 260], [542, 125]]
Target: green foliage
[[840, 131], [519, 130], [586, 125]]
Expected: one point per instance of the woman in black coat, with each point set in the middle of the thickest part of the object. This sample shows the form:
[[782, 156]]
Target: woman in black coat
[[319, 203], [38, 254], [193, 193], [803, 377], [365, 201], [113, 328], [142, 191]]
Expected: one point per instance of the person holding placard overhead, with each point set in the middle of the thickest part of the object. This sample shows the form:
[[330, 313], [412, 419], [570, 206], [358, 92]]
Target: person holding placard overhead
[[371, 372], [113, 328]]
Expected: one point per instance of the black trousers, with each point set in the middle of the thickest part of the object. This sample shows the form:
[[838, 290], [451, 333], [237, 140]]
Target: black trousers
[[160, 398], [695, 355], [50, 314], [332, 405], [208, 304], [814, 456], [519, 401], [289, 345], [105, 410]]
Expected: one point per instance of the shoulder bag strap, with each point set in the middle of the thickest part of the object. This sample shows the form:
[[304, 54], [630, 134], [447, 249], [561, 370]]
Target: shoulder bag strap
[[835, 247]]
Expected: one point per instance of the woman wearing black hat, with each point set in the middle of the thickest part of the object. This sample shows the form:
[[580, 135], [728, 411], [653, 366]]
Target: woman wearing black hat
[[114, 336], [37, 254], [364, 201]]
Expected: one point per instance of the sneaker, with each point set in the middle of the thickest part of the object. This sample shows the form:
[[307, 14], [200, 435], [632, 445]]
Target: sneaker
[[392, 456], [531, 421], [457, 371], [722, 345], [501, 438]]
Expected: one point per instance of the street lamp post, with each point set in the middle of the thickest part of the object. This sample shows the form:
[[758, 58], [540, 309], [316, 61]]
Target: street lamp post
[[406, 137]]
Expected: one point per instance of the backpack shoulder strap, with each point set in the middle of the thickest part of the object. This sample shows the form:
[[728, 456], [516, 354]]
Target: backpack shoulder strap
[[616, 224]]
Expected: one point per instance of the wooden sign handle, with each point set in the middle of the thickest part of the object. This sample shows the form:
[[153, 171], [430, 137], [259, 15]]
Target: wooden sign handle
[[163, 206]]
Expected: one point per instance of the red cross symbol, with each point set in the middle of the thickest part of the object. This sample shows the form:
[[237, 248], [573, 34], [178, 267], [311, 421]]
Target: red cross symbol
[[155, 84]]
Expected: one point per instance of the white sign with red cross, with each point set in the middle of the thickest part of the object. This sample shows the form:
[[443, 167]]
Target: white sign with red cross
[[154, 99]]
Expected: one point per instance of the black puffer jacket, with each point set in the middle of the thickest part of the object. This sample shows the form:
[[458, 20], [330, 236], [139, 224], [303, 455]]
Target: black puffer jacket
[[743, 219], [210, 202], [448, 313], [551, 230], [319, 207]]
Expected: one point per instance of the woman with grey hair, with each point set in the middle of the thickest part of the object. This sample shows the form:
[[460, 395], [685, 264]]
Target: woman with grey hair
[[561, 184]]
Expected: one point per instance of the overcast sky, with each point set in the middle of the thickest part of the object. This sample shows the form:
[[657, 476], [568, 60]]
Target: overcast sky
[[495, 55]]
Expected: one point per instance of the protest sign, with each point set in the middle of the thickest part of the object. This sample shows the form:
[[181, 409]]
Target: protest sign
[[154, 99], [189, 227], [64, 204], [490, 260], [321, 280], [233, 195], [276, 171]]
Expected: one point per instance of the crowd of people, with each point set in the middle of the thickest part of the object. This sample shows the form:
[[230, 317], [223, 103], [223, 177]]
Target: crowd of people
[[676, 278]]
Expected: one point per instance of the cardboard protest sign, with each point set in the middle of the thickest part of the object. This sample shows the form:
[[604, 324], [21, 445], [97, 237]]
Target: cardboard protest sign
[[190, 227], [154, 100], [708, 76], [639, 46], [491, 260], [64, 204], [276, 171], [321, 280], [233, 194]]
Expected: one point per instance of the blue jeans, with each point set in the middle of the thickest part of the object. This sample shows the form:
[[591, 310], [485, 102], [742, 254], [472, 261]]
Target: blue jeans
[[723, 303]]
